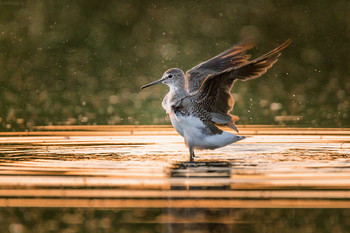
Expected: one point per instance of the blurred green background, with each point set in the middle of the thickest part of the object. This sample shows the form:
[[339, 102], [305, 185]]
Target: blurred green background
[[83, 62], [154, 220]]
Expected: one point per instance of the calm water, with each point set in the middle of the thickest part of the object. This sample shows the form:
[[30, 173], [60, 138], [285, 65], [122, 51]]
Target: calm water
[[137, 179]]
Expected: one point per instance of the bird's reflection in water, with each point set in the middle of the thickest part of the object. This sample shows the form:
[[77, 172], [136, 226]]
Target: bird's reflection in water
[[205, 173], [203, 176]]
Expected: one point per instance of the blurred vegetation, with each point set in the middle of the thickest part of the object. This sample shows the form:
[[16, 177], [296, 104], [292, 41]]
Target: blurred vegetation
[[83, 220], [83, 62]]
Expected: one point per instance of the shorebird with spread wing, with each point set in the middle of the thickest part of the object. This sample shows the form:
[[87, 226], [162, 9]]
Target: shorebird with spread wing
[[200, 100]]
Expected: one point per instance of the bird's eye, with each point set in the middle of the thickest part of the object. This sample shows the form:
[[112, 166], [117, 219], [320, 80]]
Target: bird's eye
[[170, 76]]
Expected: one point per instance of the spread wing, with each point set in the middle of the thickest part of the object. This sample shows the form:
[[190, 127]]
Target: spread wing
[[214, 92], [233, 57]]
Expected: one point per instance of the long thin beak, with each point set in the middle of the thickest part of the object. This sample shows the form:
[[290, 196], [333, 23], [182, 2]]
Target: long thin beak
[[152, 83]]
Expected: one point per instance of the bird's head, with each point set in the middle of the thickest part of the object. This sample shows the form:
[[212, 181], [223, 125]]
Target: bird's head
[[174, 78]]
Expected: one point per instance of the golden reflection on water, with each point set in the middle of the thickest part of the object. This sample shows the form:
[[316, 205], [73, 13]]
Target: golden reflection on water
[[132, 179], [133, 167]]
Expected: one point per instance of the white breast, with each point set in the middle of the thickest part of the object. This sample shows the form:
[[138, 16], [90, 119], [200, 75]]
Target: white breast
[[166, 103], [192, 128], [187, 125]]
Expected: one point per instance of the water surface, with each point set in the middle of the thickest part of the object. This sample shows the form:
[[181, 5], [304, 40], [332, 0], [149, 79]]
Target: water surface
[[134, 178]]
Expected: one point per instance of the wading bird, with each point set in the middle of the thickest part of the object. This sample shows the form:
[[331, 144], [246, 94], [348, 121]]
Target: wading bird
[[200, 100]]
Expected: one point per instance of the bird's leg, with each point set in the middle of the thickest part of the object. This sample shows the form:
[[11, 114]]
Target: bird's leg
[[191, 154], [190, 147]]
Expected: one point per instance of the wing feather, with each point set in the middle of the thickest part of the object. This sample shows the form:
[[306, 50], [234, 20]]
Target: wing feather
[[233, 57], [214, 93], [259, 66]]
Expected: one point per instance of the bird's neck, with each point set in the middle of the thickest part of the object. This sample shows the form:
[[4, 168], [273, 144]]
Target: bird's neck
[[178, 91]]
